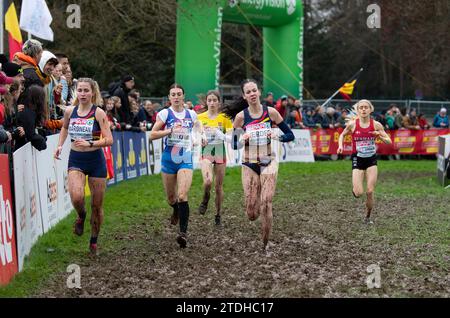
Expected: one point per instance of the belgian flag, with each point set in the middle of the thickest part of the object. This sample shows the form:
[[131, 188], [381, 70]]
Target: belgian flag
[[12, 26]]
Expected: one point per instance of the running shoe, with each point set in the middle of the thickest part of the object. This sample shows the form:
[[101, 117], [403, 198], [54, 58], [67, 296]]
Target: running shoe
[[93, 249], [368, 221], [182, 240], [217, 220], [202, 208], [78, 228]]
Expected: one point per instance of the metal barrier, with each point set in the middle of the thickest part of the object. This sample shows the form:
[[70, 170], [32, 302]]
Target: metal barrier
[[428, 108]]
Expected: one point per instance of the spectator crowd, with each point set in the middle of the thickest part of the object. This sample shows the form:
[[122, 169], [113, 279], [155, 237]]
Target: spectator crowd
[[37, 86]]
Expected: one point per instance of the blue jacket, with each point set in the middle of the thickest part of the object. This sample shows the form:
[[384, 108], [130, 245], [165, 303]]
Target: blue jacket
[[438, 120]]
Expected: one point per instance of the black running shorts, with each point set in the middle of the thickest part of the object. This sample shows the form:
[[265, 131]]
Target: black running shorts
[[361, 163]]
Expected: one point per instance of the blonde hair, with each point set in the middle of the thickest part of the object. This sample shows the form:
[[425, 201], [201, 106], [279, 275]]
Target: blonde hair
[[96, 96], [355, 107], [353, 113]]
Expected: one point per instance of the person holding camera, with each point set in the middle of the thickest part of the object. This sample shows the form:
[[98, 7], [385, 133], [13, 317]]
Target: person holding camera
[[147, 115]]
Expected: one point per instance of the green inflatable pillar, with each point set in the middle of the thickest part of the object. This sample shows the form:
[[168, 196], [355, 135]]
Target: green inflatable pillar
[[283, 60], [199, 32]]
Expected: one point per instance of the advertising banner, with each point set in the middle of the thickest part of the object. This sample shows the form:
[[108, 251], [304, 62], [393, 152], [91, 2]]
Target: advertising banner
[[299, 150], [139, 145], [8, 255], [47, 179], [62, 175], [130, 156], [443, 161], [28, 210], [404, 141], [118, 157], [154, 153]]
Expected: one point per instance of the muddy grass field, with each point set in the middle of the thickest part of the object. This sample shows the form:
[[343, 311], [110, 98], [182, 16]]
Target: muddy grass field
[[319, 245]]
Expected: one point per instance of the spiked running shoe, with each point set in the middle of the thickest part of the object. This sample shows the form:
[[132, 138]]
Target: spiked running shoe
[[368, 221], [78, 228], [202, 208], [217, 220], [182, 240], [93, 249]]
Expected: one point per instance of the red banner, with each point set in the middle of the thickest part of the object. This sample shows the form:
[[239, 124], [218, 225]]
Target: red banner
[[404, 141], [8, 255]]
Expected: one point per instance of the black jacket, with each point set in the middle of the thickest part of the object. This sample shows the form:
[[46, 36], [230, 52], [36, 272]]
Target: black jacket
[[27, 120], [31, 78], [124, 111]]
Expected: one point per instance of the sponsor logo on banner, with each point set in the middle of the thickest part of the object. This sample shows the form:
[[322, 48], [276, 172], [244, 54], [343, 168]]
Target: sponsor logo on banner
[[300, 149], [291, 4], [130, 154], [6, 230], [217, 45], [8, 257], [143, 157], [119, 164]]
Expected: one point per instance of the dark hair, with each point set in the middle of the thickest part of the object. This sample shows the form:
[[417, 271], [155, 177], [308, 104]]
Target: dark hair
[[175, 85], [36, 102], [133, 95], [232, 109], [61, 56]]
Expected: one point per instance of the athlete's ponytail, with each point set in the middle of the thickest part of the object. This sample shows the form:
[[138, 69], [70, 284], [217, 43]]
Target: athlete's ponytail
[[238, 105]]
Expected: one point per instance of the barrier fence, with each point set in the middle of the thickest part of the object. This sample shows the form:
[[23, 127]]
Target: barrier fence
[[404, 141]]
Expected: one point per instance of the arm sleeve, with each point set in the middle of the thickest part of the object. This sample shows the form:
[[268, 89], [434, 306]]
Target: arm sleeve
[[288, 134]]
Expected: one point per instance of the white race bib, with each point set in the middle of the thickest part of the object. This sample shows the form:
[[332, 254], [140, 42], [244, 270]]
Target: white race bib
[[259, 134]]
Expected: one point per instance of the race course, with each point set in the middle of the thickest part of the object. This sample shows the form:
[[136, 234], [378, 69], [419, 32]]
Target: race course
[[319, 246]]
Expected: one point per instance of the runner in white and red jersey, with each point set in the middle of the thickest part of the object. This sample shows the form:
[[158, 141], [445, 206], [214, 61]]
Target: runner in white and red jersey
[[364, 131]]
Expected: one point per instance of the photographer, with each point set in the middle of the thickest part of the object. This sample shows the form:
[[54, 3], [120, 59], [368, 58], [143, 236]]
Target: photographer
[[147, 115]]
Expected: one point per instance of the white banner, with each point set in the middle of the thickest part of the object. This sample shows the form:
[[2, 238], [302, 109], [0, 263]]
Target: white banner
[[154, 154], [35, 17], [299, 150], [28, 211], [64, 202], [443, 160], [53, 183], [47, 182]]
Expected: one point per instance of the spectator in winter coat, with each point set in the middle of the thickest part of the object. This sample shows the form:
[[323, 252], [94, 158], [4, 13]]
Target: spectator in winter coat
[[127, 84], [441, 119]]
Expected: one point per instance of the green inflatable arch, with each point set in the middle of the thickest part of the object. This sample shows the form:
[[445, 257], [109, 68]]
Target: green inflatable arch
[[199, 31]]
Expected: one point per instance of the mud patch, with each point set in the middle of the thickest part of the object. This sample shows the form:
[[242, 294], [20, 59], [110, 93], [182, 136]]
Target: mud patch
[[317, 249]]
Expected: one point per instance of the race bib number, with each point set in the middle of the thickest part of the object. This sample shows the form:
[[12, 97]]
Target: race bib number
[[211, 136], [365, 148], [180, 139], [259, 134], [81, 128]]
